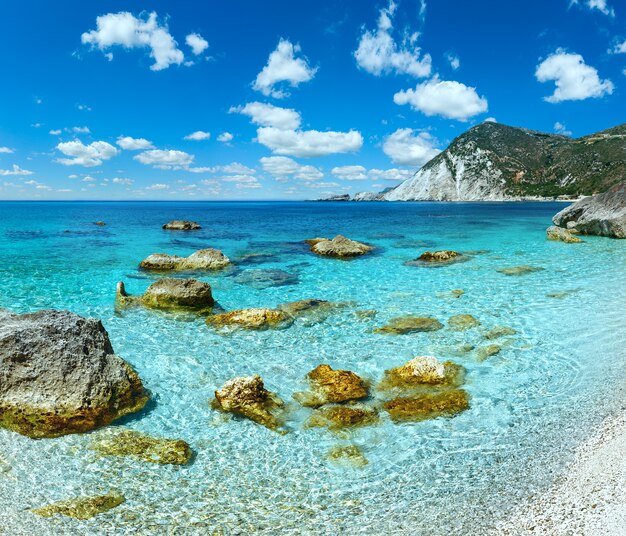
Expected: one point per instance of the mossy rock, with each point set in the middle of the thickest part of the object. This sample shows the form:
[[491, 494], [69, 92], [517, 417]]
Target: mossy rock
[[499, 331], [524, 269], [331, 385], [260, 318], [428, 405], [347, 455], [143, 447], [81, 507], [462, 322], [485, 352], [338, 417], [409, 324], [423, 371]]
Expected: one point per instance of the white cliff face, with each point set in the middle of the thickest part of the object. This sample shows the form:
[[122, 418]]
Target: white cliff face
[[465, 175]]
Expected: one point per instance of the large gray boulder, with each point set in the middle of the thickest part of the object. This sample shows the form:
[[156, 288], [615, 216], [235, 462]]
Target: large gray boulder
[[59, 375], [602, 214]]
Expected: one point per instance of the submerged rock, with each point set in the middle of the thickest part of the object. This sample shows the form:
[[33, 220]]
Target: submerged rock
[[428, 405], [350, 455], [437, 258], [81, 507], [261, 279], [204, 259], [182, 225], [311, 311], [410, 324], [499, 331], [485, 352], [603, 214], [558, 234], [338, 417], [171, 294], [247, 397], [255, 318], [520, 270], [456, 293], [99, 223], [423, 370], [329, 385], [340, 246], [142, 446], [462, 322], [59, 375]]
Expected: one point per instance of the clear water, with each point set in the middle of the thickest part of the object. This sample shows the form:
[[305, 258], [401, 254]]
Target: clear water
[[530, 405]]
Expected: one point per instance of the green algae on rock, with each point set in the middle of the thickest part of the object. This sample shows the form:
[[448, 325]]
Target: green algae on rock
[[81, 507], [409, 324], [484, 352], [340, 416], [423, 371], [499, 331], [520, 270], [259, 318], [143, 447], [347, 455], [60, 375], [171, 294], [331, 386], [446, 403], [311, 311], [247, 397], [340, 247], [462, 322]]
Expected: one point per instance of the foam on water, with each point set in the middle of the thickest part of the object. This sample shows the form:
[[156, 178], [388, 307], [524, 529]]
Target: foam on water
[[530, 404]]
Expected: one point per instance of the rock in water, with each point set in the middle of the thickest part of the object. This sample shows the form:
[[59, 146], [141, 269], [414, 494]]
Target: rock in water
[[462, 322], [182, 225], [171, 294], [423, 370], [428, 406], [410, 324], [331, 385], [59, 375], [340, 246], [437, 258], [602, 214], [558, 234], [260, 318], [81, 507], [204, 259]]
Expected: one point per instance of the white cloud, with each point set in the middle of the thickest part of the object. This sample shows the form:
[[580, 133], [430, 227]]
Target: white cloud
[[407, 149], [124, 29], [55, 132], [560, 128], [284, 168], [574, 79], [81, 130], [133, 144], [225, 137], [158, 186], [86, 155], [6, 150], [89, 179], [165, 159], [350, 173], [454, 61], [309, 142], [197, 43], [490, 120], [72, 176], [378, 53], [268, 115], [125, 182], [393, 174], [446, 98], [283, 66], [243, 181], [237, 168], [620, 48], [83, 107], [198, 135], [15, 170], [600, 5]]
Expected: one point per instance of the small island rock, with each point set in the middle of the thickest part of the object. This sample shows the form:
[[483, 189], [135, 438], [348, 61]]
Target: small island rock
[[340, 246], [182, 225]]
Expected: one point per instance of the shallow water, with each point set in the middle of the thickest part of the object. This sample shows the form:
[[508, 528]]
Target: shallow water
[[530, 405]]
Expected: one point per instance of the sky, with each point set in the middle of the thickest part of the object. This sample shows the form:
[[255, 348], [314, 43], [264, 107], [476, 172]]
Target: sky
[[208, 100]]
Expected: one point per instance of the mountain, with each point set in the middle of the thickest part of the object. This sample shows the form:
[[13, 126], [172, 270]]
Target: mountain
[[493, 162]]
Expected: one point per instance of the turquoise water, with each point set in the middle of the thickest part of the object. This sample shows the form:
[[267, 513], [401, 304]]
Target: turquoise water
[[530, 405]]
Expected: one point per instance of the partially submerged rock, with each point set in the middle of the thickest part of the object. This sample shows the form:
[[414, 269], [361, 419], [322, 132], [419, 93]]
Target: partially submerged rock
[[182, 225], [456, 293], [256, 318], [520, 270], [428, 405], [144, 447], [485, 352], [203, 259], [99, 223], [171, 294], [311, 311], [558, 234], [462, 322], [340, 246], [347, 455], [410, 324], [603, 214], [421, 371], [59, 375], [81, 507], [329, 385], [247, 397], [499, 331], [340, 416], [261, 279], [437, 258]]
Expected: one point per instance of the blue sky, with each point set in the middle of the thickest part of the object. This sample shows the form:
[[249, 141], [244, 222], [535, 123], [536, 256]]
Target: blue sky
[[284, 100]]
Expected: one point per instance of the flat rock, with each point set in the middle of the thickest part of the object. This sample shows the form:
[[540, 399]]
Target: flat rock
[[81, 507], [338, 417], [259, 318], [410, 324], [437, 258], [462, 322], [427, 405], [520, 270], [261, 279], [499, 331], [204, 259], [340, 246], [558, 234], [59, 375], [420, 371], [182, 225]]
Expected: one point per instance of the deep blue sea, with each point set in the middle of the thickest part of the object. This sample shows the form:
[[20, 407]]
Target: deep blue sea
[[530, 405]]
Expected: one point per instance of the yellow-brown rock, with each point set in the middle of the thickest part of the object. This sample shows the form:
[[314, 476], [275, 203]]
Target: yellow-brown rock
[[329, 385], [409, 324], [428, 405], [337, 417], [423, 371], [81, 507], [462, 322], [255, 319]]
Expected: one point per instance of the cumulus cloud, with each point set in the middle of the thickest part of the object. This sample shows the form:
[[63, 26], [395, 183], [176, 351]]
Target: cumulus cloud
[[126, 30], [86, 155], [620, 48], [133, 144], [393, 174], [268, 115], [198, 135], [309, 143], [197, 43], [406, 148], [573, 78], [350, 173], [283, 67], [158, 186], [378, 53], [125, 182], [165, 159], [600, 5], [6, 150], [560, 128], [81, 130], [55, 132], [15, 171], [243, 181], [283, 168], [225, 137], [446, 98], [235, 167]]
